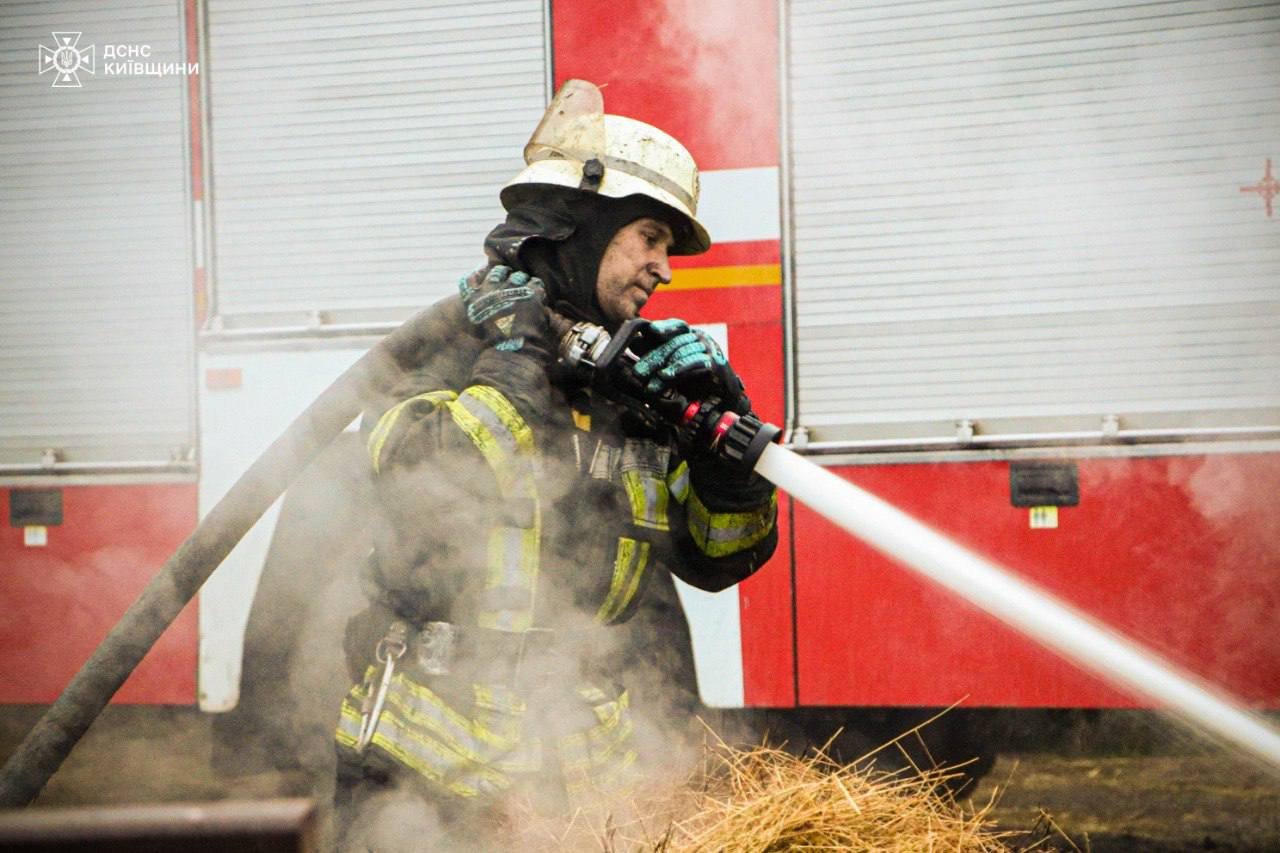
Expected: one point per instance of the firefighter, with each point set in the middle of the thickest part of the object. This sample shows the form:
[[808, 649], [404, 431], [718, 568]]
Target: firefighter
[[521, 517]]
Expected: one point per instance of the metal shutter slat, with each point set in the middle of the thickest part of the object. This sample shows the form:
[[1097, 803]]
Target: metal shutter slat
[[1031, 215], [354, 171], [96, 331]]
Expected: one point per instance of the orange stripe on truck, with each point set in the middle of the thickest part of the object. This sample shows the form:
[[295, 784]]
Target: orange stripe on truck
[[751, 275]]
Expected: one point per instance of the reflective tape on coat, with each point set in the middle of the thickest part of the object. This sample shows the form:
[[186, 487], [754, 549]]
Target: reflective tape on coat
[[464, 756], [601, 759], [383, 430], [719, 534], [506, 442], [630, 565]]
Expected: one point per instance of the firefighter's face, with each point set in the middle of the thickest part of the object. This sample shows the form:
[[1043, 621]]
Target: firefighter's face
[[634, 264]]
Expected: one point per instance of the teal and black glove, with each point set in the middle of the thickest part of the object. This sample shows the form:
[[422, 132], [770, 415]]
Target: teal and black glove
[[690, 362], [507, 307]]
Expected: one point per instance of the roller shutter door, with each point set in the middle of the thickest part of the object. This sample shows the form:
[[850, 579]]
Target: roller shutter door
[[96, 330], [358, 148], [1030, 216]]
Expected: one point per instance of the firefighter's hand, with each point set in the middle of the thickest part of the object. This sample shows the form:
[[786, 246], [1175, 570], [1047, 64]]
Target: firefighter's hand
[[506, 305], [689, 362]]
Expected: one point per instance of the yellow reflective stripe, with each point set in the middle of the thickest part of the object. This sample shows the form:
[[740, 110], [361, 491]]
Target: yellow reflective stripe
[[430, 759], [592, 694], [348, 724], [648, 497], [643, 473], [678, 482], [501, 710], [425, 756], [626, 579], [382, 430], [719, 534], [506, 413], [600, 758], [422, 732], [468, 737], [616, 780], [582, 420]]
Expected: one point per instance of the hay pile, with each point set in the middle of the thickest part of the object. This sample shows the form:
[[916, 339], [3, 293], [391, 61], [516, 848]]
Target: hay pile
[[765, 799], [768, 799]]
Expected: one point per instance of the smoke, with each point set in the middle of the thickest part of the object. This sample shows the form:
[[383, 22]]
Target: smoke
[[317, 618], [399, 821], [698, 53], [1233, 498]]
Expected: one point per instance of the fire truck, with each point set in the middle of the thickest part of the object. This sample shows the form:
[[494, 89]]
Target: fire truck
[[1011, 267]]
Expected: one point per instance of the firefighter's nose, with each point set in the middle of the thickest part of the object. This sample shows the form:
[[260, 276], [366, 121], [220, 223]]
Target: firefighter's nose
[[662, 270]]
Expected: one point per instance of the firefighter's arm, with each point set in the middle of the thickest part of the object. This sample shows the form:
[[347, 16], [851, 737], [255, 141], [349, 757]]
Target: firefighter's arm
[[505, 307], [723, 521], [505, 392], [442, 453], [724, 518]]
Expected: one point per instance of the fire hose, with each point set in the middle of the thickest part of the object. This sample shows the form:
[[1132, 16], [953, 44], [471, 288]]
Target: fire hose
[[47, 745], [603, 361], [1033, 611]]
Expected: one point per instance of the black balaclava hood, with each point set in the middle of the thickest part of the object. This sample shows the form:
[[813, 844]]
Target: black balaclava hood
[[560, 235]]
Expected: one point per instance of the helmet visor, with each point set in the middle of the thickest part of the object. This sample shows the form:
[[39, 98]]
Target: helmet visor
[[572, 127]]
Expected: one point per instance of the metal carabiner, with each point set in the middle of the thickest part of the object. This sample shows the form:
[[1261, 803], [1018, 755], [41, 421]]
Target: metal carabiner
[[389, 650]]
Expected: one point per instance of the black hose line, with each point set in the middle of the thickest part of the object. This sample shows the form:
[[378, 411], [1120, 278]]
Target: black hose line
[[47, 745]]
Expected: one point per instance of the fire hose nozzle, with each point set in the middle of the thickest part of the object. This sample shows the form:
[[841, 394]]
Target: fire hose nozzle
[[743, 438], [606, 362]]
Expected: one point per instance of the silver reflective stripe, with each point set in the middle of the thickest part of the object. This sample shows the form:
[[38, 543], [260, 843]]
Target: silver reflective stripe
[[490, 421], [435, 761], [508, 571], [647, 495], [506, 442], [757, 527]]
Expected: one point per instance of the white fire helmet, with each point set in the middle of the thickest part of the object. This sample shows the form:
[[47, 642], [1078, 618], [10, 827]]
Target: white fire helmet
[[577, 145]]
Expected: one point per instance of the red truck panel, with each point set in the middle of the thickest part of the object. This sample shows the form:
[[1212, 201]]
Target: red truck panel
[[707, 73], [1181, 553], [60, 600]]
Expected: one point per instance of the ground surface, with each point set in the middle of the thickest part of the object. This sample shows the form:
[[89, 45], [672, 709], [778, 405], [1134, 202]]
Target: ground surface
[[1177, 796], [1151, 803]]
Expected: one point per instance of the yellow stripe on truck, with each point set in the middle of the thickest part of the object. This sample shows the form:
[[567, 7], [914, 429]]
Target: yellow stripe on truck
[[698, 278]]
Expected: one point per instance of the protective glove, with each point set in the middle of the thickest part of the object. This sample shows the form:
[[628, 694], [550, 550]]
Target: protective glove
[[690, 362], [507, 306]]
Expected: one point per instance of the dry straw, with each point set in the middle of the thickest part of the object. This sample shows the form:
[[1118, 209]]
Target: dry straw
[[766, 799]]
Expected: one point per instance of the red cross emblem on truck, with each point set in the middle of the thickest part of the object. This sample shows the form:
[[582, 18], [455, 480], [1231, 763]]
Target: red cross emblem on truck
[[1268, 187]]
